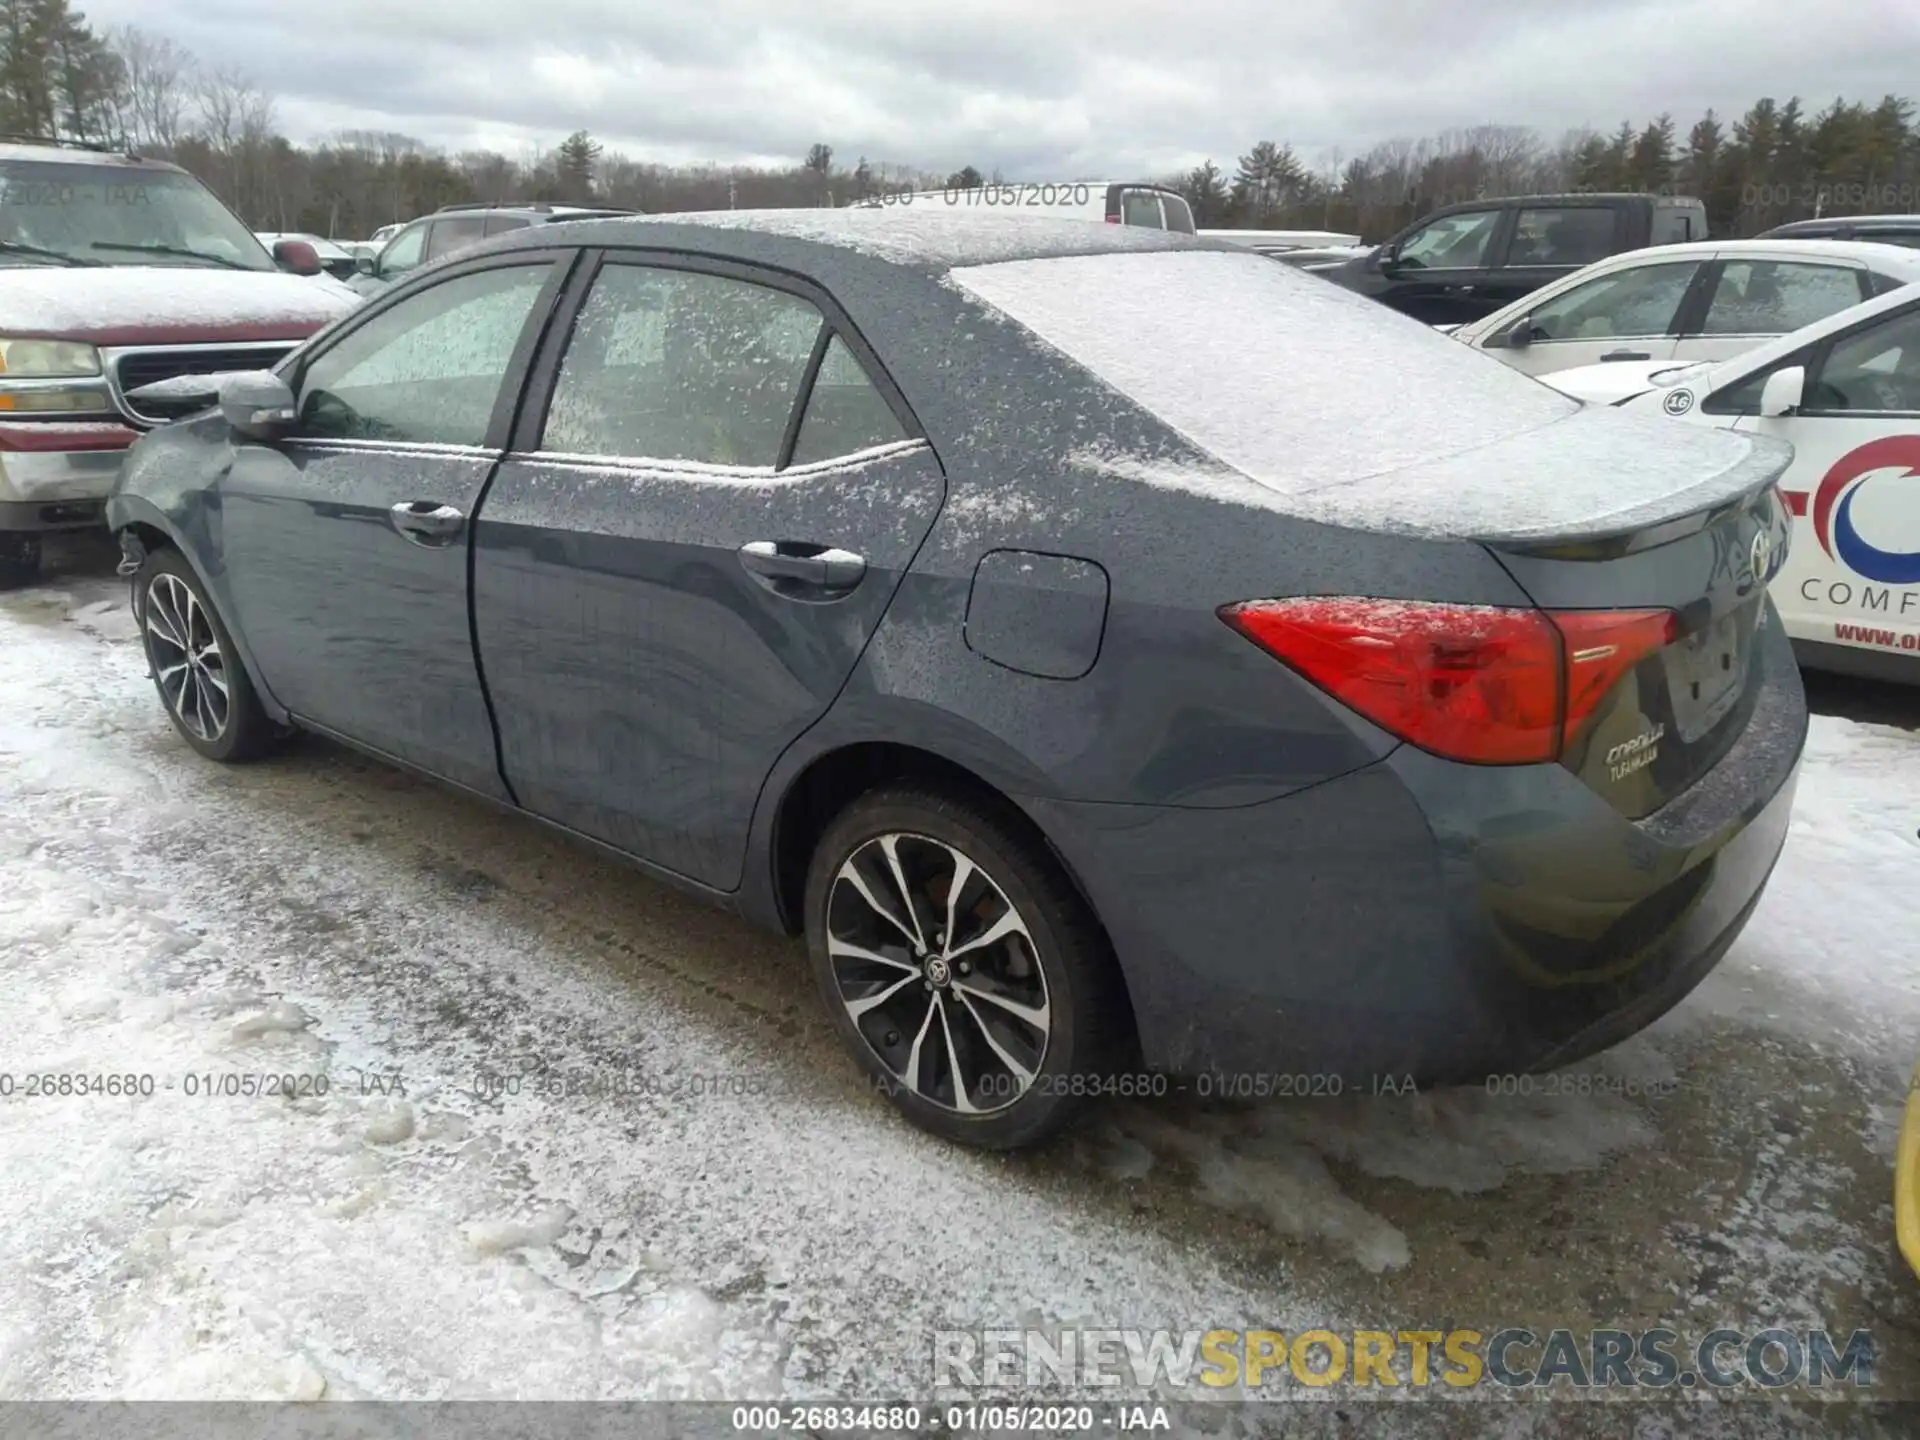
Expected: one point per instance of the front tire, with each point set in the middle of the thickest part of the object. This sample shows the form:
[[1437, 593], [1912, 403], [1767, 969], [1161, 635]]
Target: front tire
[[19, 558], [197, 671], [960, 969]]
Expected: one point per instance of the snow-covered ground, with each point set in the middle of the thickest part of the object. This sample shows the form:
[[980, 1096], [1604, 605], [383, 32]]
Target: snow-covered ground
[[413, 1232]]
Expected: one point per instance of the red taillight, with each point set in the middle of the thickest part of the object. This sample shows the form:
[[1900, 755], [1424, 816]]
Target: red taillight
[[1113, 219], [1482, 683], [1602, 646]]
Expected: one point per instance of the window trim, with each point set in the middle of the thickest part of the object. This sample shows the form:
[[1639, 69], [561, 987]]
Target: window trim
[[513, 387], [543, 376]]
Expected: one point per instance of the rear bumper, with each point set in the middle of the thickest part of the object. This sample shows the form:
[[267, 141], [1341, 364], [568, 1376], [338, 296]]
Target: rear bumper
[[1427, 919], [57, 477]]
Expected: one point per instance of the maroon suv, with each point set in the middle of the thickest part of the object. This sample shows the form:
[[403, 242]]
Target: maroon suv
[[116, 271]]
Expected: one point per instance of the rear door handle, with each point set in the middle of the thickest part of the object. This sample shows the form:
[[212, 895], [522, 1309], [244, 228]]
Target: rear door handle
[[799, 565], [426, 523], [1628, 355]]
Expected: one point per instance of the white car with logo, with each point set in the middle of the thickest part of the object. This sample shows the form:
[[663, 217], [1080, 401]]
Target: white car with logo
[[1845, 392], [1705, 300]]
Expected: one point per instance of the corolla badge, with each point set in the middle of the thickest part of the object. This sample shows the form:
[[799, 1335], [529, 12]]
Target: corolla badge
[[1636, 754], [1890, 458]]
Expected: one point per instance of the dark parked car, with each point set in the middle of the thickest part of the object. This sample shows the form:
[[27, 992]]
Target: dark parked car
[[1469, 260], [1086, 703], [455, 227], [1886, 229]]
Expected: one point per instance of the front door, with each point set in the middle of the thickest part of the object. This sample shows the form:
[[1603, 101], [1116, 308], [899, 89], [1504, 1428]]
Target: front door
[[346, 542], [1625, 314], [680, 563], [1853, 572], [1434, 273]]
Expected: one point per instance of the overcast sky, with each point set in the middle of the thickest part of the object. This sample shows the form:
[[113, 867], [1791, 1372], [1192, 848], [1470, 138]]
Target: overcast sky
[[1041, 89]]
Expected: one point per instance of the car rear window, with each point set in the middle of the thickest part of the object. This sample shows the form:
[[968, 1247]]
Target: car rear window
[[1292, 381]]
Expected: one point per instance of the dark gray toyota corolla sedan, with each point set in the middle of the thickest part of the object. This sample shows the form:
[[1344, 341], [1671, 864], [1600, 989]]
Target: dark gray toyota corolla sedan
[[1116, 653]]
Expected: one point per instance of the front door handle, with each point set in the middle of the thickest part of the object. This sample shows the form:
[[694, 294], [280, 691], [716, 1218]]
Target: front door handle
[[1628, 355], [426, 523], [795, 566]]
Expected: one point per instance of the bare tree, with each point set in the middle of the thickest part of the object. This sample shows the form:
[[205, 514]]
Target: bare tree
[[157, 81]]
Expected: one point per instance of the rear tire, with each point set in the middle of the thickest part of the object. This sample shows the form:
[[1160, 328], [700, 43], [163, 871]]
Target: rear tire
[[946, 942], [202, 683], [19, 558]]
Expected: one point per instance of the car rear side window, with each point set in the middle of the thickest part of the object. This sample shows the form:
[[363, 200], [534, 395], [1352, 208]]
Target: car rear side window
[[1141, 207], [1772, 297], [500, 224], [1636, 302], [1179, 215], [680, 365], [845, 412], [455, 233], [429, 369], [1562, 235]]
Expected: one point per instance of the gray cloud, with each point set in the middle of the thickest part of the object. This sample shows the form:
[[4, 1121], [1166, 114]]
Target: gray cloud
[[1039, 90]]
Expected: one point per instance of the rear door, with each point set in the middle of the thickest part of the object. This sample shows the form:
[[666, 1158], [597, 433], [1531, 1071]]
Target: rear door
[[345, 543], [710, 500], [1545, 243], [1743, 302], [1853, 577]]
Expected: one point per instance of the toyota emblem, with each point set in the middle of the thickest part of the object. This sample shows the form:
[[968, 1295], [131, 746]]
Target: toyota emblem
[[1761, 554]]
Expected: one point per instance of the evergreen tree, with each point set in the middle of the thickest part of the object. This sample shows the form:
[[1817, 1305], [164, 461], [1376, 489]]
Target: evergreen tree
[[574, 164]]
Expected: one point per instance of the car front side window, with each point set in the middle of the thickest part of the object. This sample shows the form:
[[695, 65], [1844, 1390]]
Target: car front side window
[[427, 370], [1638, 302], [405, 250], [1453, 242], [681, 365], [1773, 297], [1875, 370]]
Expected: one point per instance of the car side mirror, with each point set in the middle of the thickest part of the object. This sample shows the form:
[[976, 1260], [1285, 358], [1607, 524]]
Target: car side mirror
[[363, 264], [1784, 391], [298, 257], [1521, 335], [258, 404]]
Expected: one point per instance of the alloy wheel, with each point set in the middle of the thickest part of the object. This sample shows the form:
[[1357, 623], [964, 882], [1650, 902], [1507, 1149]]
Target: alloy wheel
[[187, 660], [938, 972]]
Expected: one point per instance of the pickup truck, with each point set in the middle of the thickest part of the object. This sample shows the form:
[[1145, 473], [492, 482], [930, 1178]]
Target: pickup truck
[[116, 272], [1458, 264]]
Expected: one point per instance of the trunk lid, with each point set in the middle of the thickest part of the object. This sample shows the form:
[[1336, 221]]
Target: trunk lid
[[1667, 721]]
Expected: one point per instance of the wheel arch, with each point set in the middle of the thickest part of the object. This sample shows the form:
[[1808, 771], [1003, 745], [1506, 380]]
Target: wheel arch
[[835, 777], [146, 523]]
